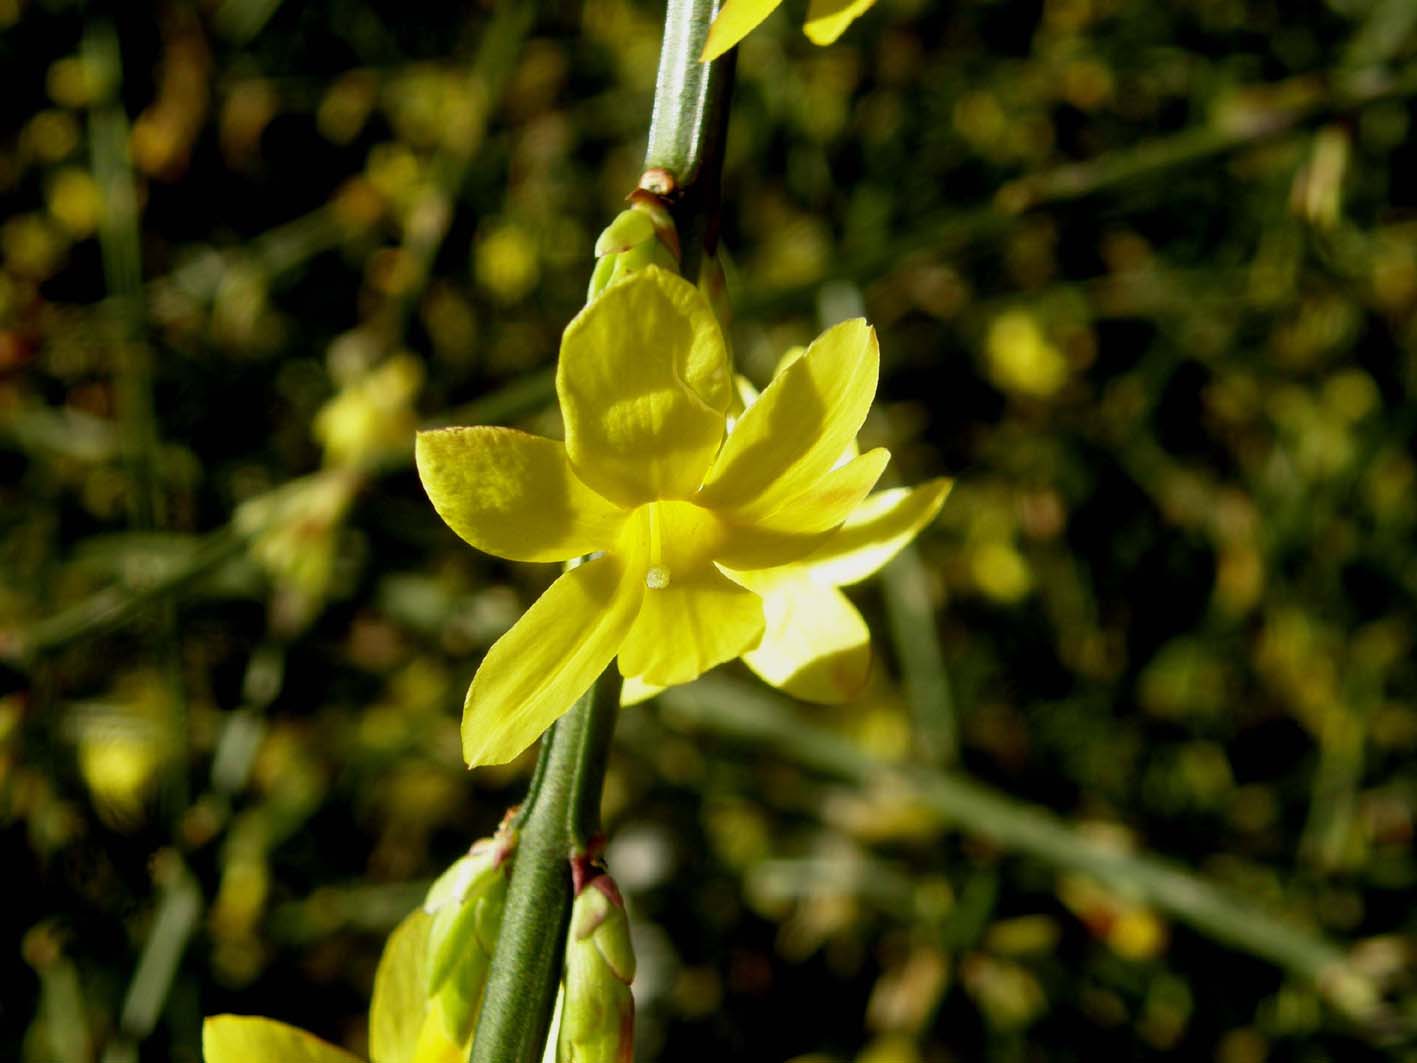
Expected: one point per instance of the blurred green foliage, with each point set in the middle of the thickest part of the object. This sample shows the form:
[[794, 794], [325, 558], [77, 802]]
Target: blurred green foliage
[[1146, 282]]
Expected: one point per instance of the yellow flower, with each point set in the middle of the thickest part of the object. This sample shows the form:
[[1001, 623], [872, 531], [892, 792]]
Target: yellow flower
[[646, 480], [826, 21], [404, 1025], [815, 644]]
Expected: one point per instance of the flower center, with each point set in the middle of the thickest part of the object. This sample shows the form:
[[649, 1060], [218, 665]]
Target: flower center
[[674, 540], [657, 575]]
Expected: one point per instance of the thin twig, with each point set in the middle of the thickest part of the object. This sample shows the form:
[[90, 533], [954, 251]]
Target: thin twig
[[1288, 106], [752, 716]]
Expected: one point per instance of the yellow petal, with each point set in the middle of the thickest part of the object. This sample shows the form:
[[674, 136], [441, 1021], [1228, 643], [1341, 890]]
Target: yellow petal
[[875, 533], [635, 690], [816, 646], [831, 498], [434, 1045], [400, 1000], [827, 19], [748, 394], [804, 523], [800, 426], [699, 620], [550, 657], [513, 494], [736, 19], [644, 384], [249, 1039]]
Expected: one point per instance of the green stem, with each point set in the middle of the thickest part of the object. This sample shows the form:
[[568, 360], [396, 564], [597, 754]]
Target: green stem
[[690, 97], [561, 819], [689, 127]]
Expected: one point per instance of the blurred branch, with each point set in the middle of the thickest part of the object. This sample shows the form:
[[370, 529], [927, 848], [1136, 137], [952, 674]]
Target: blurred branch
[[61, 1010], [744, 713], [277, 250], [917, 641], [172, 927], [119, 604], [1257, 115], [523, 396], [243, 19], [120, 242], [429, 218], [374, 909]]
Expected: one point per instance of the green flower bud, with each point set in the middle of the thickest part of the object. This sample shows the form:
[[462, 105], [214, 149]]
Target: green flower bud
[[461, 992], [452, 902], [630, 228], [598, 1016], [460, 996], [641, 235], [466, 904]]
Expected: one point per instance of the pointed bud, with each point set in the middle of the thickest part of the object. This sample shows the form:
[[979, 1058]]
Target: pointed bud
[[641, 235], [466, 905], [452, 901], [598, 1020], [630, 228], [459, 999]]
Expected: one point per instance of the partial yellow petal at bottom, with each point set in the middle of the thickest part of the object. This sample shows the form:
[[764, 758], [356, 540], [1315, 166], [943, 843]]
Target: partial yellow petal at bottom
[[249, 1039], [434, 1045], [827, 19], [701, 619], [816, 646], [550, 657], [396, 1011]]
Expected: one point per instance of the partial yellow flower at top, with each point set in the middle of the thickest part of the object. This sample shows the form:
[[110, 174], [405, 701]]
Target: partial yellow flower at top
[[826, 21], [405, 1026], [646, 480]]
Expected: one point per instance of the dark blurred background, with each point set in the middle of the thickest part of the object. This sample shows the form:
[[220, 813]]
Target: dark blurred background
[[1145, 278]]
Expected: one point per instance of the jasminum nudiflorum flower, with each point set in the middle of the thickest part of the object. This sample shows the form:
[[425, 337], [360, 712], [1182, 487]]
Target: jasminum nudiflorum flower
[[647, 482]]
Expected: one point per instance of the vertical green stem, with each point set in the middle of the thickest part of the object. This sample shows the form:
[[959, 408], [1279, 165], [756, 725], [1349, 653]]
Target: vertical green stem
[[689, 126], [562, 814], [562, 818], [690, 97]]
